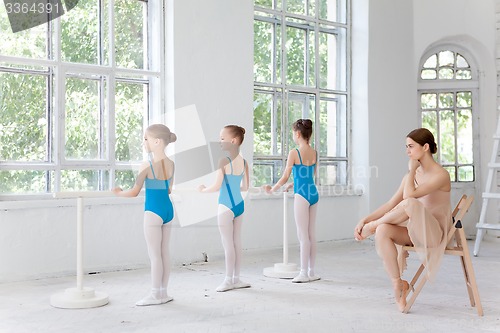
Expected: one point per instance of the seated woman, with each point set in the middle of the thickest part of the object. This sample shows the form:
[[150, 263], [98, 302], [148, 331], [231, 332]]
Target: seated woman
[[418, 214]]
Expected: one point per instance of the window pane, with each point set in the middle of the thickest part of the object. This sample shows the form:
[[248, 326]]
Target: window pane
[[466, 173], [447, 136], [461, 62], [300, 106], [451, 171], [333, 123], [263, 124], [264, 3], [311, 10], [263, 51], [130, 34], [428, 74], [428, 101], [446, 58], [79, 33], [21, 181], [464, 99], [296, 6], [332, 173], [83, 119], [312, 59], [464, 137], [30, 43], [296, 57], [125, 178], [464, 74], [429, 121], [279, 59], [333, 10], [84, 180], [266, 172], [446, 73], [329, 61], [23, 121], [446, 100], [431, 62], [130, 111]]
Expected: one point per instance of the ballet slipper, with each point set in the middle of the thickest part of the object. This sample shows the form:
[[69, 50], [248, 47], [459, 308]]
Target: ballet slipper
[[152, 299], [225, 286], [240, 284], [401, 290]]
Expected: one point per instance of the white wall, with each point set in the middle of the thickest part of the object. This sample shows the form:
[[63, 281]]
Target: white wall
[[470, 25], [391, 94], [213, 66]]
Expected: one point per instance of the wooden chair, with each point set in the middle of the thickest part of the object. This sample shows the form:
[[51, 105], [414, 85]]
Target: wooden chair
[[457, 246]]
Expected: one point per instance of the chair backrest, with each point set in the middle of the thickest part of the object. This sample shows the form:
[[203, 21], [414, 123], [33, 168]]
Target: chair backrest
[[458, 213]]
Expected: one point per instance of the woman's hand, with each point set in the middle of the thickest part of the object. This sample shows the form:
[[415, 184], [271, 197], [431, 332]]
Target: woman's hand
[[117, 190], [413, 165], [201, 188], [267, 188], [357, 230]]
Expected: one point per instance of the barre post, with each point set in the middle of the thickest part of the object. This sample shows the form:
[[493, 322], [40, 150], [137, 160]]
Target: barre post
[[284, 270], [80, 297]]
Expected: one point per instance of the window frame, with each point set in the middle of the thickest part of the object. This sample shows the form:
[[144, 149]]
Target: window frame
[[279, 90], [437, 86], [59, 70]]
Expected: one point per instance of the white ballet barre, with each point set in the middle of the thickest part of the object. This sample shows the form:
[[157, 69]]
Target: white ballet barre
[[80, 297], [192, 189], [283, 270]]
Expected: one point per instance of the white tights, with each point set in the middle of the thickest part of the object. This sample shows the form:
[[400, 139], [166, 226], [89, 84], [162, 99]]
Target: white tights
[[305, 218], [230, 232], [157, 239]]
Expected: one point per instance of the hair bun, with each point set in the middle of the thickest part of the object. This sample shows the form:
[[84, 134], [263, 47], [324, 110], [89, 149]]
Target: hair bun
[[173, 137], [307, 123]]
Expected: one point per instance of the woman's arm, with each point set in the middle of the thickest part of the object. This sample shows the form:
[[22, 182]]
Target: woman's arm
[[286, 172], [139, 182], [382, 210], [218, 180], [438, 179], [171, 179], [246, 181]]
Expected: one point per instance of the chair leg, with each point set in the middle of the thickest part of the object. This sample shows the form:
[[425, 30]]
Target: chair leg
[[417, 290], [417, 275], [470, 278]]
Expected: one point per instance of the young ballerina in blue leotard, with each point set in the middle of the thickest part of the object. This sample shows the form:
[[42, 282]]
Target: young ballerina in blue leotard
[[157, 174], [302, 162], [232, 178]]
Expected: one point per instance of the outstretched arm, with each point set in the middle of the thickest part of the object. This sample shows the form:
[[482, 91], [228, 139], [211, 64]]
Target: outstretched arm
[[292, 155], [218, 181], [136, 189]]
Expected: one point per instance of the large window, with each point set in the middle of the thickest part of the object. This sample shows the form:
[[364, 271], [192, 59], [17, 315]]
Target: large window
[[76, 94], [448, 85], [301, 70]]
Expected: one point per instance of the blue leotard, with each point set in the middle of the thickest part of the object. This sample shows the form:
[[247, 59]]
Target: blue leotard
[[303, 181], [230, 193], [157, 198]]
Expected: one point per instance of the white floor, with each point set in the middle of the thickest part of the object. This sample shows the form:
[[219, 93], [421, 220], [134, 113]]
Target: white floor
[[354, 295]]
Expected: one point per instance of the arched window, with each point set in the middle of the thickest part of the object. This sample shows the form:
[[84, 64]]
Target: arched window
[[447, 89]]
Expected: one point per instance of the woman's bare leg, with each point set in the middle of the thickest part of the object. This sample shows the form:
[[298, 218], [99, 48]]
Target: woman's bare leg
[[396, 216], [387, 236]]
